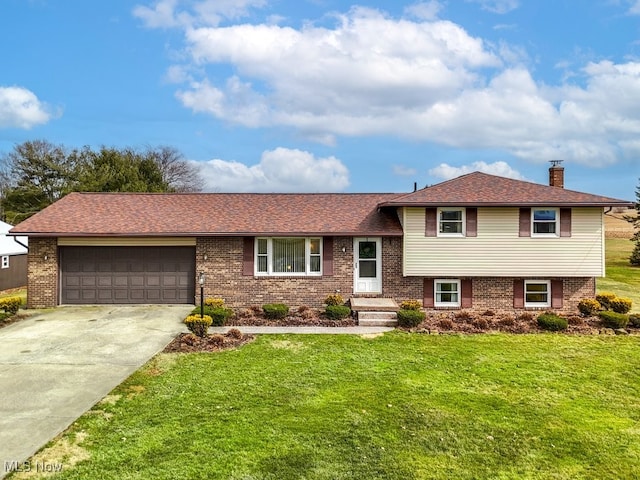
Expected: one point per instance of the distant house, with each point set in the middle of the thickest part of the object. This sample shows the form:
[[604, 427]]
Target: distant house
[[13, 259], [475, 242]]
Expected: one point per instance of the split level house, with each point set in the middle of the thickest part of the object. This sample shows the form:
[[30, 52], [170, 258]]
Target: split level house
[[479, 242]]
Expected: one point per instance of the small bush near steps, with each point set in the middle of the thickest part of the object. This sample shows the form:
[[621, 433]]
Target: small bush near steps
[[410, 318], [333, 300], [634, 320], [337, 312], [275, 311], [552, 322]]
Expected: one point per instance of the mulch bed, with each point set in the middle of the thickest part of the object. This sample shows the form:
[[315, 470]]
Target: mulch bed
[[311, 320], [189, 343], [13, 319]]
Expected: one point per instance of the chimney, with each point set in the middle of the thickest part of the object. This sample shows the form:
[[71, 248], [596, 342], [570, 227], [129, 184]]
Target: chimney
[[556, 174]]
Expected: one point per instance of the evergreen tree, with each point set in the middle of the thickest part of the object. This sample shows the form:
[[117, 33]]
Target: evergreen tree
[[635, 255]]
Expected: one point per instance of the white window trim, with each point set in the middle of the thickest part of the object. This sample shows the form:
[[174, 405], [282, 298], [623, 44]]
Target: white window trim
[[307, 258], [546, 304], [435, 292], [5, 261], [557, 222], [463, 220]]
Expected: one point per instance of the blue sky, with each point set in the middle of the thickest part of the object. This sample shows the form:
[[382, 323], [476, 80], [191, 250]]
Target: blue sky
[[327, 95]]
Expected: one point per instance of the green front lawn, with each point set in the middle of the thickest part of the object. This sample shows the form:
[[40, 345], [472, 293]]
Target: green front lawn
[[399, 406]]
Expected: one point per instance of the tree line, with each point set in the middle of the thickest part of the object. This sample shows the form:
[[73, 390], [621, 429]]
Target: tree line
[[37, 173]]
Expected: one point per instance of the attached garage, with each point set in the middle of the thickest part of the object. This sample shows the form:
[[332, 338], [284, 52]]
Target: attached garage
[[127, 274]]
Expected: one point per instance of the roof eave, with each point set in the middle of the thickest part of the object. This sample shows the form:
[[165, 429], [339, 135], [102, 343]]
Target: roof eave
[[514, 204], [385, 233]]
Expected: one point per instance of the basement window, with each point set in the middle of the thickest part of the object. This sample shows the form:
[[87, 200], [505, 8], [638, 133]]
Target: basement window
[[447, 293]]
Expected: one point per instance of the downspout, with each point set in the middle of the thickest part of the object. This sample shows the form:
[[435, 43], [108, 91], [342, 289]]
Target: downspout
[[15, 239]]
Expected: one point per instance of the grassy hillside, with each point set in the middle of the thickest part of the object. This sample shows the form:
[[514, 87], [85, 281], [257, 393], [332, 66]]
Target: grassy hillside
[[622, 278]]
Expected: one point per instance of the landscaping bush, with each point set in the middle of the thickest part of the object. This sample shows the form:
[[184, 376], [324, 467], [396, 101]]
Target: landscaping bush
[[219, 315], [605, 298], [334, 299], [10, 304], [613, 319], [481, 324], [634, 320], [337, 312], [589, 306], [621, 305], [525, 317], [198, 325], [235, 333], [411, 305], [410, 318], [463, 316], [552, 322], [275, 311], [214, 302]]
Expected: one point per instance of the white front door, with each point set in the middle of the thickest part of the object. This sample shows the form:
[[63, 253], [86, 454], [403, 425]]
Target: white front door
[[367, 270]]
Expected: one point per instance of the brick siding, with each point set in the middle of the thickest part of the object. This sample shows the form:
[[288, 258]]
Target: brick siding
[[42, 280]]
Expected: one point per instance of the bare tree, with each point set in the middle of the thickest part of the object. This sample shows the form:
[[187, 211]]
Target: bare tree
[[179, 173]]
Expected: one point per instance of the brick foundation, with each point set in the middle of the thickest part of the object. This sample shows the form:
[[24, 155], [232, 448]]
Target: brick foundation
[[42, 279]]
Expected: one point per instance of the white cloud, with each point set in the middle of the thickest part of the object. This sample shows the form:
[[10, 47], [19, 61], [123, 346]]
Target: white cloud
[[175, 13], [634, 9], [502, 169], [403, 171], [20, 108], [416, 77], [498, 6], [279, 170]]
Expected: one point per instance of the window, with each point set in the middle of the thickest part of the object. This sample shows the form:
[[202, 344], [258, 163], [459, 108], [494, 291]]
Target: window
[[288, 256], [537, 293], [451, 222], [5, 261], [447, 293], [544, 222]]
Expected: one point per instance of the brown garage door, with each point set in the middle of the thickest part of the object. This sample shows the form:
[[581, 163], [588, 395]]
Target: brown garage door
[[127, 275]]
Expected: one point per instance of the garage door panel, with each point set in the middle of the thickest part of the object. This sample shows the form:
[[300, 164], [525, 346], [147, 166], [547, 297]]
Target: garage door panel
[[127, 274]]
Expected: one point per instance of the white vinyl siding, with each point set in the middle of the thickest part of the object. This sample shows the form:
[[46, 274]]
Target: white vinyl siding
[[498, 250]]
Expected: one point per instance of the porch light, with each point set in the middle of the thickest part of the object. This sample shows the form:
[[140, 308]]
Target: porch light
[[201, 282]]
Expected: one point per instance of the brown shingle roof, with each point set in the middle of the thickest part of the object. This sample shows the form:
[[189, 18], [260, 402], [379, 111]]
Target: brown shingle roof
[[144, 214], [477, 189]]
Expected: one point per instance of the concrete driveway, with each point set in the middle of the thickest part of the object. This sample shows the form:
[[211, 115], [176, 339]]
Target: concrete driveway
[[57, 364]]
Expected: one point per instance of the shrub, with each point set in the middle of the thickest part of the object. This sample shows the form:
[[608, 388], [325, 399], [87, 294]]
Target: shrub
[[634, 320], [488, 313], [337, 312], [621, 305], [589, 306], [446, 324], [605, 298], [10, 304], [334, 299], [411, 305], [552, 322], [214, 302], [302, 309], [220, 315], [613, 319], [410, 318], [217, 340], [463, 316], [198, 325], [235, 333], [525, 317], [481, 324], [275, 311]]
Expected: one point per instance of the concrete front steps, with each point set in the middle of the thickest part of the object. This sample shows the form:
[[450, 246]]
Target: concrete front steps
[[375, 312]]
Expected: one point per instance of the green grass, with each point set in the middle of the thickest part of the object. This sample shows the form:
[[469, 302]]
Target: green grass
[[622, 278], [401, 406]]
